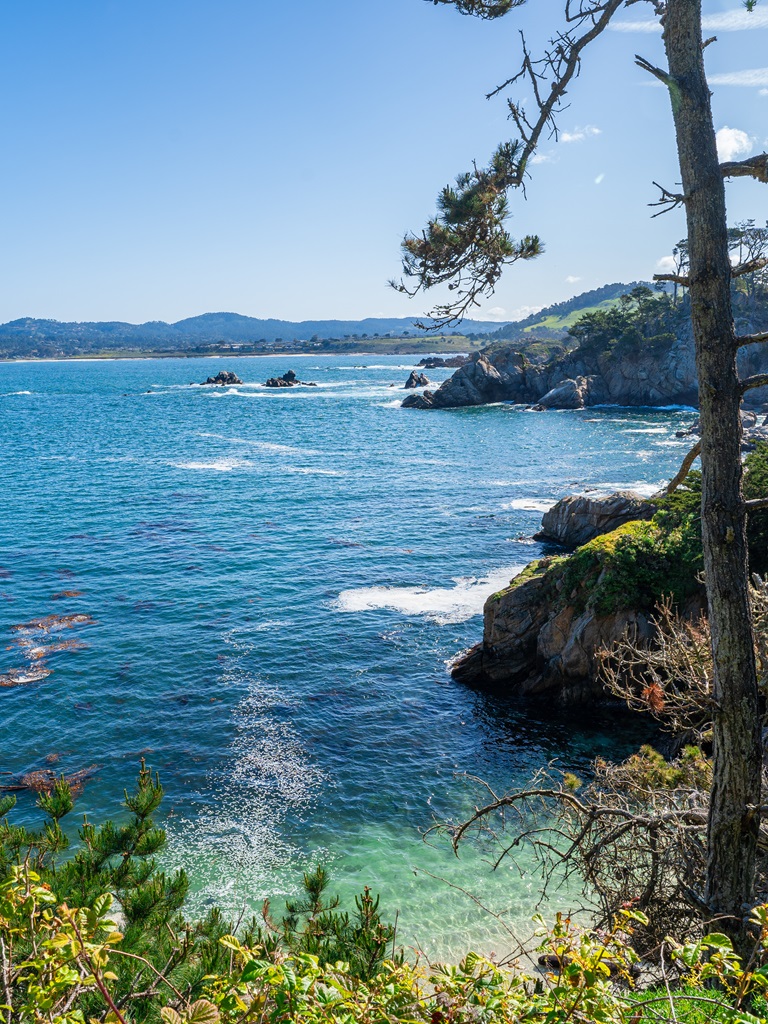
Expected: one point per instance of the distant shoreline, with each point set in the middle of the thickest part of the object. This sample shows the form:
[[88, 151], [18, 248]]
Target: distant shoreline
[[418, 349]]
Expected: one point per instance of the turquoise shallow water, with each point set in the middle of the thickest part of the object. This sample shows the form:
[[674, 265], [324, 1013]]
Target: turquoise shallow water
[[277, 581]]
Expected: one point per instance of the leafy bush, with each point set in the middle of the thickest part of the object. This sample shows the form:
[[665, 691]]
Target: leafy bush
[[756, 486]]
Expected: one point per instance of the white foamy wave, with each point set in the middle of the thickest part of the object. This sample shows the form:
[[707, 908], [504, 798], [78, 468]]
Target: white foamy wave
[[646, 430], [641, 487], [442, 605], [218, 465], [262, 446], [10, 394], [531, 504], [309, 471]]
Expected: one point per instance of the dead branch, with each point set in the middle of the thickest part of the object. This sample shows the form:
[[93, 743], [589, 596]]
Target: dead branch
[[674, 278], [685, 467], [755, 167], [758, 380], [667, 200], [751, 339], [749, 267]]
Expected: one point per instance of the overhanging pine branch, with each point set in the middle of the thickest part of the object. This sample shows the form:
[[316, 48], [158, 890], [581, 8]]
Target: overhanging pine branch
[[755, 504]]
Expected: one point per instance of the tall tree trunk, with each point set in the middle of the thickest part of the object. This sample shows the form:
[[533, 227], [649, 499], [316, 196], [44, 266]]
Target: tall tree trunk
[[733, 816]]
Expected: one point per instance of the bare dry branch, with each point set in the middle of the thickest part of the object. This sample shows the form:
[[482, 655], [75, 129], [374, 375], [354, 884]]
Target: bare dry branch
[[751, 339], [755, 167], [758, 380], [749, 267], [674, 278], [685, 467]]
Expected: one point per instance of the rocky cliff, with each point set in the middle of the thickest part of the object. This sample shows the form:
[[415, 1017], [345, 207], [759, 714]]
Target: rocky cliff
[[542, 635], [653, 375]]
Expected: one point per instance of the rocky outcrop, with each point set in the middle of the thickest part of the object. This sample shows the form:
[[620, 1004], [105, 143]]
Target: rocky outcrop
[[224, 377], [641, 376], [416, 380], [578, 518], [288, 380], [538, 644], [752, 431], [475, 383], [437, 362], [543, 634]]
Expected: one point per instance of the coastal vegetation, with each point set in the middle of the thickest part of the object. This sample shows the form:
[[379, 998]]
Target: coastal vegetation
[[100, 937]]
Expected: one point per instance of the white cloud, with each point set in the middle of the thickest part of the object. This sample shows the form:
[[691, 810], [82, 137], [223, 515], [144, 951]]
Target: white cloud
[[752, 76], [762, 92], [727, 21], [523, 311], [571, 279], [543, 158], [495, 313], [733, 143], [599, 178], [666, 265], [579, 134]]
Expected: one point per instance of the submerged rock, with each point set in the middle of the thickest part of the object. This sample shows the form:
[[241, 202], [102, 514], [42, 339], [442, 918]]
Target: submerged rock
[[578, 518], [224, 377]]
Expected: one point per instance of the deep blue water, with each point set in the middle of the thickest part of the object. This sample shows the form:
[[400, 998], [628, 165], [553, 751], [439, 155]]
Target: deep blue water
[[277, 580]]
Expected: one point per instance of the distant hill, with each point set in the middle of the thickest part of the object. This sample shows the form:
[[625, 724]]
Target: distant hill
[[30, 337]]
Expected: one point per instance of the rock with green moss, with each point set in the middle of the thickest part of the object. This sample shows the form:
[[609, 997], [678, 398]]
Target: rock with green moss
[[543, 634]]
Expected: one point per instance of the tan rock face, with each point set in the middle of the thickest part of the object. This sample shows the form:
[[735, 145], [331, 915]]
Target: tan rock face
[[535, 646]]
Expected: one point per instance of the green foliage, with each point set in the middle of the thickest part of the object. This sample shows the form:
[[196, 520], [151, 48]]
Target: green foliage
[[315, 925], [648, 770], [756, 486], [466, 245], [68, 965], [643, 321], [634, 566]]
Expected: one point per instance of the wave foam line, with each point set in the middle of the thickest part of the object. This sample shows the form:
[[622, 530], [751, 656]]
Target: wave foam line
[[442, 605]]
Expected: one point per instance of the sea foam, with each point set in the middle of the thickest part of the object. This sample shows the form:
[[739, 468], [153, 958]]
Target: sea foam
[[442, 605]]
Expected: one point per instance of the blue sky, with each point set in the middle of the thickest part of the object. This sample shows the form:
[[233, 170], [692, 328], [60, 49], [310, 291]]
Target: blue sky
[[167, 158]]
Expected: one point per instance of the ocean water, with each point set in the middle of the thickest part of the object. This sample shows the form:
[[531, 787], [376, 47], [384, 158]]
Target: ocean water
[[269, 587]]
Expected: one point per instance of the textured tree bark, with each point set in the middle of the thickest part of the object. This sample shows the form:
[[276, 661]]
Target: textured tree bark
[[733, 817]]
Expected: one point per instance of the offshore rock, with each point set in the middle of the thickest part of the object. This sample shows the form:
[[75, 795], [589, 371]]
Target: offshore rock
[[751, 431], [416, 380], [224, 377], [423, 401], [578, 518], [288, 380]]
